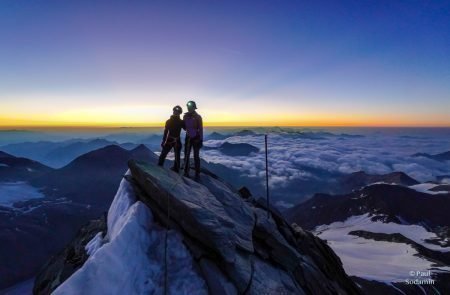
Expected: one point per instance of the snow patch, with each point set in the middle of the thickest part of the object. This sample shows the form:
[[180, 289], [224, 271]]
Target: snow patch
[[283, 205], [94, 244], [413, 232], [12, 192], [131, 261], [378, 260], [3, 165], [426, 188]]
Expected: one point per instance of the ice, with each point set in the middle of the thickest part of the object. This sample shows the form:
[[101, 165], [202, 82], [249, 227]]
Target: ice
[[12, 192], [94, 244], [131, 259], [414, 232], [378, 260]]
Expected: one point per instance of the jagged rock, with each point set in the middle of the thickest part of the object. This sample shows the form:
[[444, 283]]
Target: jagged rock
[[265, 250], [236, 245], [62, 266], [197, 209]]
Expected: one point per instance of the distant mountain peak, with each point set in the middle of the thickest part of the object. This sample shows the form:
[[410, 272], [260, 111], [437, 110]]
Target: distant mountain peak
[[360, 179], [141, 147], [445, 156], [5, 155]]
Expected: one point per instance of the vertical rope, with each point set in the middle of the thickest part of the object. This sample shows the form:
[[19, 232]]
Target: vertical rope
[[267, 176], [166, 276], [166, 242]]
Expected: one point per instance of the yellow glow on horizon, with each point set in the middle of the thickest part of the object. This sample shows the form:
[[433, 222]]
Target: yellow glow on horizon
[[303, 122], [146, 115]]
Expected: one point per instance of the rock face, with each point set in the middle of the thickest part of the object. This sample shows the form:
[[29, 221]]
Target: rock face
[[249, 250], [393, 201], [237, 247], [62, 266]]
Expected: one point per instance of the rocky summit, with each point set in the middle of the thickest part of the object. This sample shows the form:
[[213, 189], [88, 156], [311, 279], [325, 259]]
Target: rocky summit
[[168, 234]]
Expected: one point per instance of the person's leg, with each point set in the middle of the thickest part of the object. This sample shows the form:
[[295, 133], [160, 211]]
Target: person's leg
[[162, 157], [197, 159], [187, 152], [177, 151]]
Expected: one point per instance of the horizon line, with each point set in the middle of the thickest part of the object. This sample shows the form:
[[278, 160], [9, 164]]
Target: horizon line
[[160, 125]]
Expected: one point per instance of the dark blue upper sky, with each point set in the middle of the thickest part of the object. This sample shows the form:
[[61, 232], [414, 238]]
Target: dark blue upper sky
[[285, 62]]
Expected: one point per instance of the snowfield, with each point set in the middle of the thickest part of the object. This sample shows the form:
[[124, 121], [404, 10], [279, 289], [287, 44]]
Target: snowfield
[[394, 261], [130, 257], [12, 192]]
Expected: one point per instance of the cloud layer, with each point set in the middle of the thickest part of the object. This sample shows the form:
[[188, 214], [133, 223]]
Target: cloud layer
[[296, 157]]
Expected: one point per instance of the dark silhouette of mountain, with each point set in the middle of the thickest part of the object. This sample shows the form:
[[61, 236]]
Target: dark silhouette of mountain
[[36, 229], [244, 132], [20, 169], [59, 154], [393, 201], [235, 149], [238, 245], [216, 136], [438, 157], [360, 179], [63, 155], [90, 178]]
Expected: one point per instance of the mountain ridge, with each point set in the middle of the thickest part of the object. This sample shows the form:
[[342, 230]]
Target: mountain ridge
[[237, 246]]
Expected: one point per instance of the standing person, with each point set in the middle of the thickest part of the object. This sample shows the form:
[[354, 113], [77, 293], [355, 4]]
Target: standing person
[[171, 138], [194, 138]]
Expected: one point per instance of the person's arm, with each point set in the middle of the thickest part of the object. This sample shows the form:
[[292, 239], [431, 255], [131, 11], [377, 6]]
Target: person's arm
[[166, 131], [200, 127]]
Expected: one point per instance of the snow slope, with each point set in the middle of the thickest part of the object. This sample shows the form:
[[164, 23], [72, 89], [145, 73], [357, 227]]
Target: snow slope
[[130, 258], [394, 261]]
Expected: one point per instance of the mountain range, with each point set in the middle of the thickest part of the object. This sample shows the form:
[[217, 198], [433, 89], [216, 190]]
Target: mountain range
[[382, 232], [72, 195]]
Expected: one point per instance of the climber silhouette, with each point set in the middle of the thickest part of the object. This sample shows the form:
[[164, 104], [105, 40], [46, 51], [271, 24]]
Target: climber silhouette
[[171, 138], [193, 124]]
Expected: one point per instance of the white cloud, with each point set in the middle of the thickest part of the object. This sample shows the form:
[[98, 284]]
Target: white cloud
[[296, 157]]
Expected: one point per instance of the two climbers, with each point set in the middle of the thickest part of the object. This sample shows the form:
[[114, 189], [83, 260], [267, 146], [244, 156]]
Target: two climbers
[[193, 124]]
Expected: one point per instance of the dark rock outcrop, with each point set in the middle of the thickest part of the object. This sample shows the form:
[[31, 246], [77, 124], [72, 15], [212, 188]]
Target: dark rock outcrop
[[63, 265], [246, 248]]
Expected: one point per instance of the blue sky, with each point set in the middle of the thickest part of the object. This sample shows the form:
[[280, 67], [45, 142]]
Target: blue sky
[[261, 62]]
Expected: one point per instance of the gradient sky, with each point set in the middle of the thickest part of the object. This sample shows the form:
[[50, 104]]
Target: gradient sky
[[127, 63]]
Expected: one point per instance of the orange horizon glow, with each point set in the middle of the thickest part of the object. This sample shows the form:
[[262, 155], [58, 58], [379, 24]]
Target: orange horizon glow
[[284, 123]]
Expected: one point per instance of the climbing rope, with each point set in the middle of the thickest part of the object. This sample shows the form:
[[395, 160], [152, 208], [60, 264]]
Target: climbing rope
[[166, 272]]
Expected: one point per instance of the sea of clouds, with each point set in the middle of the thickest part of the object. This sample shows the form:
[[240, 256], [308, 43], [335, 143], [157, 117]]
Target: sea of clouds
[[299, 157]]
